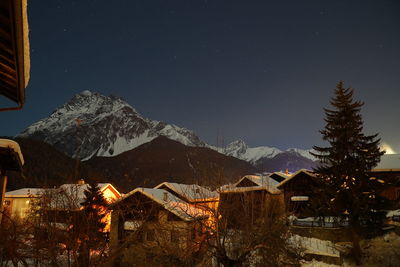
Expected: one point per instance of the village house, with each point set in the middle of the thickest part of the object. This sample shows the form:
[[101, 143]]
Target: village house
[[194, 194], [250, 199], [11, 159], [297, 190], [150, 224], [61, 202], [17, 203], [388, 171]]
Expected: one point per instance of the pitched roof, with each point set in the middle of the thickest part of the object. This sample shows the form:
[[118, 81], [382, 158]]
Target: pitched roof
[[10, 155], [260, 180], [170, 202], [271, 189], [308, 172], [192, 192], [15, 63], [25, 192]]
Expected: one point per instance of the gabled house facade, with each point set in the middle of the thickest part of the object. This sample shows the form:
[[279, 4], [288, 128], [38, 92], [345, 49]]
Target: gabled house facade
[[17, 203], [249, 200], [62, 202], [388, 171], [297, 190]]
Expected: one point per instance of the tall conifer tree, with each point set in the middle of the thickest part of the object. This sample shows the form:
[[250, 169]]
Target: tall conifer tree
[[345, 164], [94, 211]]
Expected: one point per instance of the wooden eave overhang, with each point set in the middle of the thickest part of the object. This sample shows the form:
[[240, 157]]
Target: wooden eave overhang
[[14, 51]]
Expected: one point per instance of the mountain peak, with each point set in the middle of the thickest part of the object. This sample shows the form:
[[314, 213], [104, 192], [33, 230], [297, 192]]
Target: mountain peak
[[93, 124], [85, 93]]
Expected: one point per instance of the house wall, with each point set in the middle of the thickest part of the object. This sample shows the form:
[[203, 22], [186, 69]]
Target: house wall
[[301, 185], [242, 208], [18, 207], [144, 245]]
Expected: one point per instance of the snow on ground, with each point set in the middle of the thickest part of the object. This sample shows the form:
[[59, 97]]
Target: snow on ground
[[379, 251], [315, 246], [392, 213], [315, 263]]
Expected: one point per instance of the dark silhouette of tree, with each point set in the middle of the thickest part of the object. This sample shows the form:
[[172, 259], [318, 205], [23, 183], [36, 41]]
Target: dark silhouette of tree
[[344, 181]]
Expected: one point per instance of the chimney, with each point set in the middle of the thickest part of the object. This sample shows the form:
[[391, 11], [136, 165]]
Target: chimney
[[81, 181], [165, 197], [287, 171]]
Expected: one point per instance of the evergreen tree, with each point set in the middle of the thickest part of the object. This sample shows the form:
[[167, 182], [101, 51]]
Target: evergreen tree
[[94, 212], [348, 189]]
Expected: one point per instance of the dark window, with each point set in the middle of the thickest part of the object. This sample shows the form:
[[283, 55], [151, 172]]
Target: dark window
[[174, 236], [150, 235], [140, 236], [193, 233]]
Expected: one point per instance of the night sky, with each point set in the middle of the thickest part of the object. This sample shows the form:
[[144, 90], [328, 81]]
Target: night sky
[[257, 70]]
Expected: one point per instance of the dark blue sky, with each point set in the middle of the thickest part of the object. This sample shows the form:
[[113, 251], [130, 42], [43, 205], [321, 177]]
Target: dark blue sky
[[257, 70]]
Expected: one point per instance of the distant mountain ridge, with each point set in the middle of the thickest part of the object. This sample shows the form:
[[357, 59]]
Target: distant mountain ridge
[[91, 125], [239, 149], [163, 159]]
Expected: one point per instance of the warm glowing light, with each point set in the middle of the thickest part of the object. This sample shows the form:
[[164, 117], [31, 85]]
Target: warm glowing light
[[387, 148]]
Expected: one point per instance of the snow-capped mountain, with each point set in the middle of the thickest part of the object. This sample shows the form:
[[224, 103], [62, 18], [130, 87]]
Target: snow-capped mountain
[[91, 124], [239, 149]]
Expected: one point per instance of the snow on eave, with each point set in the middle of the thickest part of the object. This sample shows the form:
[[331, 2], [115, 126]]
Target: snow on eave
[[308, 172], [173, 204], [106, 185], [269, 189], [260, 180], [7, 143], [24, 193]]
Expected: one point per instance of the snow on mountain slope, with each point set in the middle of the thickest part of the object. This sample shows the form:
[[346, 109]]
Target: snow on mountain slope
[[91, 124], [239, 149], [304, 152]]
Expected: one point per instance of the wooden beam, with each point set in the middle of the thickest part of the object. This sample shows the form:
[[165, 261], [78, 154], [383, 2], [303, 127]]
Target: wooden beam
[[3, 184]]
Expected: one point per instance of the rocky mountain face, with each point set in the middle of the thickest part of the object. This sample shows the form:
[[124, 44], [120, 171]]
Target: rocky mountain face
[[91, 124]]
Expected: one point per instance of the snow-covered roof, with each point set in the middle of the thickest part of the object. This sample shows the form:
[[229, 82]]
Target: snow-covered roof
[[25, 192], [260, 180], [271, 189], [389, 162], [170, 202], [308, 172], [192, 192], [6, 143]]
